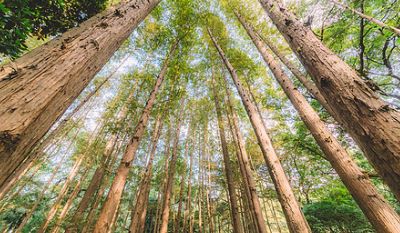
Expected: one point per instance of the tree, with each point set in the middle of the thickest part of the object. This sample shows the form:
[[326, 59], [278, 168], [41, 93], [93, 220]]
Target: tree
[[50, 84], [369, 120]]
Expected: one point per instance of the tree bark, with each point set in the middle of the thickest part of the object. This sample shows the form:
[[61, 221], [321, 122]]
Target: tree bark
[[99, 173], [378, 211], [171, 173], [249, 183], [369, 120], [293, 214], [236, 224], [187, 212], [144, 190], [104, 222], [38, 87]]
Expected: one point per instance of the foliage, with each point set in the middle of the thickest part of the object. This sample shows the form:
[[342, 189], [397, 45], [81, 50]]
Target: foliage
[[21, 19]]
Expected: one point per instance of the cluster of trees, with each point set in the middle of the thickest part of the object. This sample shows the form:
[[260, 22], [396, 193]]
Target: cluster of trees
[[189, 116]]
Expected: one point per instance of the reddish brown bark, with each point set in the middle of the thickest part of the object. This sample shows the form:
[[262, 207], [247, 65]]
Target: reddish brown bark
[[38, 87], [293, 214], [378, 211], [369, 120], [109, 210], [144, 190], [236, 224], [171, 173]]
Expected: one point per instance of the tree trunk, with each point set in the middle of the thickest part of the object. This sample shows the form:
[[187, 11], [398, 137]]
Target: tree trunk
[[178, 215], [187, 212], [369, 120], [293, 214], [247, 176], [38, 87], [68, 204], [53, 210], [367, 17], [114, 196], [308, 84], [171, 173], [378, 211], [236, 224], [144, 190], [99, 173]]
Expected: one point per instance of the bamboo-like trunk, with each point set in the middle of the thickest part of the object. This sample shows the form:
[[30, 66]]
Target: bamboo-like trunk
[[293, 214], [108, 212], [368, 119], [53, 210], [381, 215], [171, 173], [245, 168], [37, 88], [187, 212], [68, 204], [139, 208], [236, 224], [99, 173]]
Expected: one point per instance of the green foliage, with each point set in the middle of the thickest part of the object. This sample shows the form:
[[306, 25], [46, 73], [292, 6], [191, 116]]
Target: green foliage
[[21, 19], [336, 212]]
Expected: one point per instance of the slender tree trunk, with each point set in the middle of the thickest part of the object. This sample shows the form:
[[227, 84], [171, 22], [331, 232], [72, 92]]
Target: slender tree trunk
[[293, 214], [187, 212], [114, 196], [361, 42], [308, 84], [178, 215], [208, 192], [245, 168], [236, 224], [68, 204], [367, 17], [171, 174], [144, 190], [99, 173], [38, 87], [378, 211], [53, 210], [369, 120]]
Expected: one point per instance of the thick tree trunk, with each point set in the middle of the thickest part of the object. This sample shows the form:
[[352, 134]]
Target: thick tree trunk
[[114, 196], [378, 211], [171, 174], [37, 88], [369, 120], [367, 17], [144, 190], [293, 214], [237, 226]]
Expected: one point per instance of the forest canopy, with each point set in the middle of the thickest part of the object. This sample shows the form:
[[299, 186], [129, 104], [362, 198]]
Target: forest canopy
[[212, 116]]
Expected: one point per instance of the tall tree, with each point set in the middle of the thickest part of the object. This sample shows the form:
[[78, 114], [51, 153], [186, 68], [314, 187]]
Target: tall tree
[[37, 88], [369, 120], [144, 189], [110, 207], [171, 172], [290, 206], [379, 212], [236, 224]]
